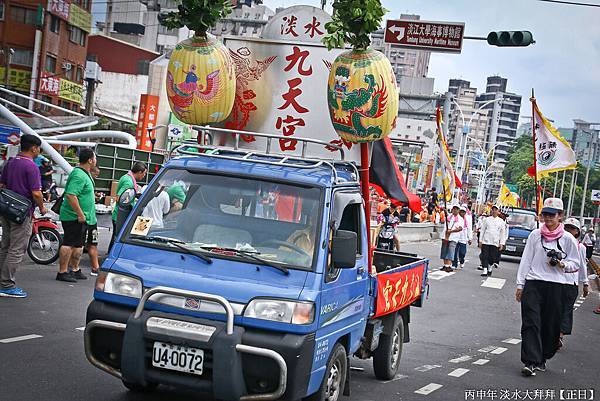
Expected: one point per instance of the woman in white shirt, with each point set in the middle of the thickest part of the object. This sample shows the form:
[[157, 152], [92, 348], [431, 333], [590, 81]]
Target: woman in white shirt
[[571, 289], [550, 252]]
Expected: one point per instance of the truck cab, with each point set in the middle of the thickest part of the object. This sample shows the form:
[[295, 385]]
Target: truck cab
[[246, 276], [521, 222]]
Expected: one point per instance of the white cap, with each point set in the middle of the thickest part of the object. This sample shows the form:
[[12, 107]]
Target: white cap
[[553, 205], [571, 221], [462, 208]]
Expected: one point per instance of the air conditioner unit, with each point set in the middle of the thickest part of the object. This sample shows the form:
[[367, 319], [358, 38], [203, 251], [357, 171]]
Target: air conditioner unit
[[67, 66]]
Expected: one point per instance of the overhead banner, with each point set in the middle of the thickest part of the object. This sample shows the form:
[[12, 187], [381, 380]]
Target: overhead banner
[[59, 8], [80, 18], [71, 91]]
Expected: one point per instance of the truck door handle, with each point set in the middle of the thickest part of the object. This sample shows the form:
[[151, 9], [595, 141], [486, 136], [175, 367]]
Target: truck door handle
[[360, 270]]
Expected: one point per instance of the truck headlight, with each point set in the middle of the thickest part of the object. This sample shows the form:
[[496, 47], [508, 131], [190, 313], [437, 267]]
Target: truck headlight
[[281, 311], [119, 284]]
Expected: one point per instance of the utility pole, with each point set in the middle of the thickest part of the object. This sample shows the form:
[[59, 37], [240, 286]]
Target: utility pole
[[92, 78], [587, 176], [572, 192]]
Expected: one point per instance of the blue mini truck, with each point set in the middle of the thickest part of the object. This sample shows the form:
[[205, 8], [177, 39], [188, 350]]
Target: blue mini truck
[[245, 276]]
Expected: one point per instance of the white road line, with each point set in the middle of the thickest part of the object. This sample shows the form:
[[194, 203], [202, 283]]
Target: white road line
[[460, 359], [498, 351], [428, 389], [20, 338], [438, 275], [458, 372], [397, 377], [83, 329], [512, 341], [492, 282], [425, 368], [481, 362], [487, 349]]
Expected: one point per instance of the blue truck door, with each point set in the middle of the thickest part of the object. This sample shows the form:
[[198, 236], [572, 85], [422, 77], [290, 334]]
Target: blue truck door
[[343, 307]]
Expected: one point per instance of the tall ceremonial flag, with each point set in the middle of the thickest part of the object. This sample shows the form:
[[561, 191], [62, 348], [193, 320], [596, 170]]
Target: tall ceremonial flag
[[449, 178], [552, 152], [506, 197]]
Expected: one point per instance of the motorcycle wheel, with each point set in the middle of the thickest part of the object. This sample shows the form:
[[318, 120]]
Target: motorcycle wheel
[[48, 251]]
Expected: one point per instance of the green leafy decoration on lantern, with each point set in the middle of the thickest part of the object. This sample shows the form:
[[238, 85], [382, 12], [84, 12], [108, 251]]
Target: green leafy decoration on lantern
[[197, 15], [352, 23]]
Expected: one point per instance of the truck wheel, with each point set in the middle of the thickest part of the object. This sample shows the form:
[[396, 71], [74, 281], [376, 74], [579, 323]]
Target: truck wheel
[[386, 358], [333, 383], [138, 388]]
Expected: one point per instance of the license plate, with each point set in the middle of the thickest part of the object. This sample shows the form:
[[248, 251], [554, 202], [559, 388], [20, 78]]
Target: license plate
[[176, 357], [511, 248]]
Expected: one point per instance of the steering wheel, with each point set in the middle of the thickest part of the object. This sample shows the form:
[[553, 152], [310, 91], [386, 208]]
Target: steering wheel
[[287, 245]]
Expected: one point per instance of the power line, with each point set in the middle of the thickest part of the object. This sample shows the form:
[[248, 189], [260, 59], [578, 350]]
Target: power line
[[571, 3]]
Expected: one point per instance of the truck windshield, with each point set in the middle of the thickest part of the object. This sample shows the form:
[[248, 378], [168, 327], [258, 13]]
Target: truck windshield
[[230, 217], [523, 220]]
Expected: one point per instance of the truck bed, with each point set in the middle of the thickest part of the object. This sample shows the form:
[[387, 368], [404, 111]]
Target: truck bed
[[401, 280]]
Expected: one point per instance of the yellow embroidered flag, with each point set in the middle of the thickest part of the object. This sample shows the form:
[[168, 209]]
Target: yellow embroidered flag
[[448, 176]]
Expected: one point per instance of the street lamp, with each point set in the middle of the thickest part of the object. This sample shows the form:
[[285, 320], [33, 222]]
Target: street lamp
[[152, 134]]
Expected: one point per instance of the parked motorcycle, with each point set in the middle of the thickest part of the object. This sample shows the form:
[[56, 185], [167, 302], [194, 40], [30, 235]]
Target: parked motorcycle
[[45, 241]]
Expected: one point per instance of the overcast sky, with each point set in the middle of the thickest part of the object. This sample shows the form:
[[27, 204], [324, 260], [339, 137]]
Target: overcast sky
[[563, 66]]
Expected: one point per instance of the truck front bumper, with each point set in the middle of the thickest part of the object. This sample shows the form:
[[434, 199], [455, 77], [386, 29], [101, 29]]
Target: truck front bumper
[[239, 363]]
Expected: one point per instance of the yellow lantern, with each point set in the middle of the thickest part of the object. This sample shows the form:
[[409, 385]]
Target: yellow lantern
[[201, 81], [362, 96]]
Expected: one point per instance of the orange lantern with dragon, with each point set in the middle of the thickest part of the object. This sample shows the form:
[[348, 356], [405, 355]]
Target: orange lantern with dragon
[[201, 78], [362, 94]]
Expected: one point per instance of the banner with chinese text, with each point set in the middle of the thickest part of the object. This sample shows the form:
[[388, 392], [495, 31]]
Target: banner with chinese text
[[80, 18], [70, 91], [397, 290], [146, 119]]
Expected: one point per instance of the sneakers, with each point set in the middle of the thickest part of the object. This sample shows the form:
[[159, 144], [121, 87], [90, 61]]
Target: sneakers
[[528, 370], [13, 293], [541, 368], [462, 265], [485, 272], [490, 272], [495, 265], [479, 267], [94, 273], [66, 276], [78, 274]]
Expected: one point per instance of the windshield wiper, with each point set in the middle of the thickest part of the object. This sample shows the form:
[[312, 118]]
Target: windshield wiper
[[249, 255], [176, 243]]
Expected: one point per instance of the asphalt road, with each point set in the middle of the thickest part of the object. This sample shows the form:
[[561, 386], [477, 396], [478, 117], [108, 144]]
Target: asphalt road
[[464, 344]]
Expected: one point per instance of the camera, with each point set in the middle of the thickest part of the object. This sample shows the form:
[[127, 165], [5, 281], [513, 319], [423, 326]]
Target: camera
[[555, 257]]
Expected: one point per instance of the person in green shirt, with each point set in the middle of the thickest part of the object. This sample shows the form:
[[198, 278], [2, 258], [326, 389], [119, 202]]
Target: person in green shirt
[[78, 210], [128, 181], [177, 194]]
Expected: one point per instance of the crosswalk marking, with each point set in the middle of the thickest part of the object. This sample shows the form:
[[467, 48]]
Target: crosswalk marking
[[458, 372], [481, 362], [428, 389], [487, 349], [492, 282], [397, 377], [512, 341], [460, 359], [438, 275], [498, 351], [20, 338]]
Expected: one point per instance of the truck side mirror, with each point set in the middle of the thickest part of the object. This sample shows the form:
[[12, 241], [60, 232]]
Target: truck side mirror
[[343, 249]]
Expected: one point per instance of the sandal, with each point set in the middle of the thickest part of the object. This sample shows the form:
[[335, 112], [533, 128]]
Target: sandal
[[597, 311]]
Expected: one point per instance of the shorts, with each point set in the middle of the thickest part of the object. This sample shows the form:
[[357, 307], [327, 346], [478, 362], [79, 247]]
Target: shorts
[[448, 249], [91, 235], [74, 233]]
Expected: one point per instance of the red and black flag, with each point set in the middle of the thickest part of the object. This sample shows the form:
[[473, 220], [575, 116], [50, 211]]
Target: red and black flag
[[386, 178]]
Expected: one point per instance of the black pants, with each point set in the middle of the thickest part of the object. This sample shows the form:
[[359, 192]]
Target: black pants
[[541, 312], [489, 254], [569, 296], [589, 251]]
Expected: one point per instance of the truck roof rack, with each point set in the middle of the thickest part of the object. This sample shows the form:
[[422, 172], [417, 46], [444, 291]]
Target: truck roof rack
[[275, 159]]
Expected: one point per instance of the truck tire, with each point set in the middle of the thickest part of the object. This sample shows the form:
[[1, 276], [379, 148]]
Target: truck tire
[[333, 383], [138, 388], [386, 358]]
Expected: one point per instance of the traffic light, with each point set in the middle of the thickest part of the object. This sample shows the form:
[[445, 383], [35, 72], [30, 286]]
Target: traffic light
[[510, 38]]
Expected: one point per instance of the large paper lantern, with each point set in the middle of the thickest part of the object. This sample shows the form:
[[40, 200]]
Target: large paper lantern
[[362, 96], [201, 81]]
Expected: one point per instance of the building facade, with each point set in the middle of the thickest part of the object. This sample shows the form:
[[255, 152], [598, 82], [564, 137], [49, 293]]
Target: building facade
[[586, 142], [44, 49], [405, 62], [503, 117]]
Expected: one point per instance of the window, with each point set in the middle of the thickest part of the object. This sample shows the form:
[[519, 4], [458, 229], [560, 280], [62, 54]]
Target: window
[[245, 29], [419, 128], [79, 75], [22, 57], [23, 15], [143, 67], [64, 104], [256, 30], [1, 10], [418, 138], [77, 35], [54, 24], [68, 72], [50, 64], [246, 15], [47, 99], [351, 222], [408, 127]]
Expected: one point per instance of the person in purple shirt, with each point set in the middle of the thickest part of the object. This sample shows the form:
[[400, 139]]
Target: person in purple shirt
[[22, 176]]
